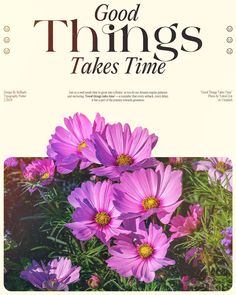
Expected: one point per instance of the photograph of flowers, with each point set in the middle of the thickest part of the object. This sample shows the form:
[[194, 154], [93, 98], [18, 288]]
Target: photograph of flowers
[[100, 212]]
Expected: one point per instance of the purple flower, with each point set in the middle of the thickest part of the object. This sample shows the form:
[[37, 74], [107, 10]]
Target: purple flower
[[95, 213], [11, 162], [142, 255], [121, 150], [183, 226], [38, 173], [55, 276], [67, 146], [194, 256], [227, 241], [146, 192], [219, 169]]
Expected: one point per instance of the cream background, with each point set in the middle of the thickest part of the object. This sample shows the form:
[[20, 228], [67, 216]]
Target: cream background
[[188, 123]]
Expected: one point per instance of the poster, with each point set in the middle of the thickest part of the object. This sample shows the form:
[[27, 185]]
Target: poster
[[148, 92]]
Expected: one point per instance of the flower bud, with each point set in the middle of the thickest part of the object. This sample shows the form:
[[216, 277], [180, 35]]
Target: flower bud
[[94, 281]]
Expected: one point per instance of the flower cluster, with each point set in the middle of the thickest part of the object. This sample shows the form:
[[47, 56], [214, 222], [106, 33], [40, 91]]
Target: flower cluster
[[130, 202], [137, 188], [115, 147], [118, 211]]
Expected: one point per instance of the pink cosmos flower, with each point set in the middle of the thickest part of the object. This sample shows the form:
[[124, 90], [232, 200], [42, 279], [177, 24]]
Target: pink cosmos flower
[[95, 213], [219, 169], [194, 256], [187, 282], [183, 226], [146, 192], [142, 255], [11, 162], [67, 146], [121, 150], [38, 173], [55, 276]]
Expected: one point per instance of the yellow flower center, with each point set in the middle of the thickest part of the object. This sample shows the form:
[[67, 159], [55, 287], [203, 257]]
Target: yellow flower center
[[51, 284], [45, 175], [221, 167], [145, 250], [149, 203], [81, 146], [102, 218], [123, 160]]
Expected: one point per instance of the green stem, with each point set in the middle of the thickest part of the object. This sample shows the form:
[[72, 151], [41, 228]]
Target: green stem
[[154, 219], [82, 245]]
